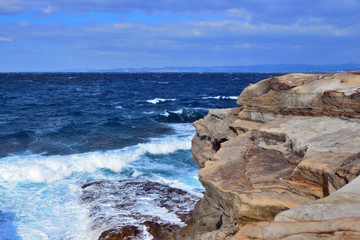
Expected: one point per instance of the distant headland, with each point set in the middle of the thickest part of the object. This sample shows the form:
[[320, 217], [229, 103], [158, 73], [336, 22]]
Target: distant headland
[[285, 68]]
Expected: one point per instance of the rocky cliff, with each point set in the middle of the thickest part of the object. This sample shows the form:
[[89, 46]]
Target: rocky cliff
[[285, 164]]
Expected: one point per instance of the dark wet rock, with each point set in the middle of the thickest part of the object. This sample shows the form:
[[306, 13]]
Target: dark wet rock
[[135, 209], [125, 233], [162, 231]]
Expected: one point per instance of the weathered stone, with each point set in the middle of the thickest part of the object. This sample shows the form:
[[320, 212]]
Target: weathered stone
[[334, 217], [211, 131], [241, 126], [210, 222], [124, 233], [324, 144], [162, 231], [337, 229], [206, 216], [255, 185], [340, 204], [302, 94], [350, 168], [296, 140]]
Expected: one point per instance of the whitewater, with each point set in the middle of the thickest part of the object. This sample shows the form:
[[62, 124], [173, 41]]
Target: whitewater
[[69, 140]]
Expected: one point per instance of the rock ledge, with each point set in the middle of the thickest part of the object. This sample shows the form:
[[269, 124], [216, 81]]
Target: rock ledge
[[285, 165]]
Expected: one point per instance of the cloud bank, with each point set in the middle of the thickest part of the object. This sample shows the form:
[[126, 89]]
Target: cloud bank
[[59, 34]]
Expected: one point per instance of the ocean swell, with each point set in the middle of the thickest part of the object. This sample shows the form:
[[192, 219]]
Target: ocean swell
[[39, 168]]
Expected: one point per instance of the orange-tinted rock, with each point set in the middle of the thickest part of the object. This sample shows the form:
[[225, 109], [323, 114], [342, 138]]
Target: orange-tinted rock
[[334, 217], [337, 229], [350, 168], [303, 94], [295, 141], [255, 185], [211, 131], [343, 203]]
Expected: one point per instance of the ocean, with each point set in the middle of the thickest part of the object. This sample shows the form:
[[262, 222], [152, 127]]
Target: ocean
[[83, 152]]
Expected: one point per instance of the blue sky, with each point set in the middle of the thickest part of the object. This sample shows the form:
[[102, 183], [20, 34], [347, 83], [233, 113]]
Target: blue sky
[[42, 35]]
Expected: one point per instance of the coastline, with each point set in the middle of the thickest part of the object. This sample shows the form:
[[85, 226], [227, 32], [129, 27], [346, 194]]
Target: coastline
[[282, 161]]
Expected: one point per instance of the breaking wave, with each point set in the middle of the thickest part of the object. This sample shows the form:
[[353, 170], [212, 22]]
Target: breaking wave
[[221, 97], [39, 168], [182, 115], [158, 100]]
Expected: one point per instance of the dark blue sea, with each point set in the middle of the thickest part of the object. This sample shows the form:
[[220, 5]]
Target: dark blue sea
[[59, 131]]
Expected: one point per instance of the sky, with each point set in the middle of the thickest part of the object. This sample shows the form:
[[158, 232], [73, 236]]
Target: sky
[[43, 35]]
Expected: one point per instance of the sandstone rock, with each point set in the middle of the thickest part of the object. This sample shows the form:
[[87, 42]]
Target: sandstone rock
[[254, 183], [343, 203], [296, 140], [210, 132], [337, 229], [324, 144], [334, 217], [209, 218], [303, 94]]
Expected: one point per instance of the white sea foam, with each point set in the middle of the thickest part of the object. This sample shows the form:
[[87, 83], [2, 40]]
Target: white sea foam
[[149, 113], [157, 100], [45, 211], [221, 97], [39, 168], [149, 207], [181, 111], [181, 185], [41, 193], [165, 114]]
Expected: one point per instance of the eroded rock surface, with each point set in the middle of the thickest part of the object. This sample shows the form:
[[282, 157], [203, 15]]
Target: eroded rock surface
[[296, 141], [211, 132], [334, 217], [333, 94]]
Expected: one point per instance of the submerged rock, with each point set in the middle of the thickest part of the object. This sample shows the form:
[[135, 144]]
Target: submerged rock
[[296, 141], [137, 209]]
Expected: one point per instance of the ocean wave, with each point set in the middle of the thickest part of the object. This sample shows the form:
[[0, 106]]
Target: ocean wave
[[221, 97], [157, 100], [182, 115], [40, 168]]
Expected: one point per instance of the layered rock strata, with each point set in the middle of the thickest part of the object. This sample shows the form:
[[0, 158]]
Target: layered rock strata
[[284, 155]]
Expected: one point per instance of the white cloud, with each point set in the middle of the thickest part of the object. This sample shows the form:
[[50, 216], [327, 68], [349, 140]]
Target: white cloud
[[196, 32], [22, 48], [6, 39], [238, 13], [48, 10], [242, 45]]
